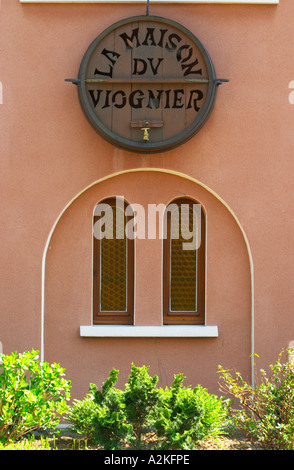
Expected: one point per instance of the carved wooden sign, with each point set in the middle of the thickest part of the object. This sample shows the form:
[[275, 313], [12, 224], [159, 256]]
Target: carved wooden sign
[[147, 84]]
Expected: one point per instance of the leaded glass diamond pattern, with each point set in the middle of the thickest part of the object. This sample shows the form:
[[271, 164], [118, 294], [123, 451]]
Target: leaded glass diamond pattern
[[113, 266], [183, 267]]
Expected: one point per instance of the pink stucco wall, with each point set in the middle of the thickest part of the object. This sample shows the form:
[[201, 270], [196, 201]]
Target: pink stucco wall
[[49, 154]]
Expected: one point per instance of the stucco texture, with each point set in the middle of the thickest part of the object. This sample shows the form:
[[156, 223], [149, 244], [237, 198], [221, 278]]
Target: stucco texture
[[50, 155]]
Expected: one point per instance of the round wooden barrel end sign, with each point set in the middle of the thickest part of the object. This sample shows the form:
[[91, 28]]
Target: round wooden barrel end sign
[[147, 84]]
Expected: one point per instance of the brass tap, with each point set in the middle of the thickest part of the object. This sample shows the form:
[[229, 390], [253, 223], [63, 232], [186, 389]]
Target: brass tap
[[146, 133]]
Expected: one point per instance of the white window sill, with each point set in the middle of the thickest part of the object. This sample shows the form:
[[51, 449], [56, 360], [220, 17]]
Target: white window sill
[[257, 2], [167, 331]]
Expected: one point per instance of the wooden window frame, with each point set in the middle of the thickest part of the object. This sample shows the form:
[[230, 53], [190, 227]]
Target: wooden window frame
[[115, 318], [182, 318]]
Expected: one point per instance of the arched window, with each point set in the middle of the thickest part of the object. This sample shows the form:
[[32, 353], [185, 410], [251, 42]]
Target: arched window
[[184, 263], [113, 264]]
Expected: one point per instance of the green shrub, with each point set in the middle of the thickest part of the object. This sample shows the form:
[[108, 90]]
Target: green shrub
[[265, 413], [186, 415], [81, 414], [32, 395], [122, 415], [109, 421], [177, 417], [115, 417], [140, 399]]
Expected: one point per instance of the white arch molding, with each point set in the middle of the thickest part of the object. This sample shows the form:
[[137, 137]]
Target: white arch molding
[[158, 170]]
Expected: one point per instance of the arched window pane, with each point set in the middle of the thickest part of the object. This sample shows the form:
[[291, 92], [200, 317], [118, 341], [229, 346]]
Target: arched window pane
[[184, 264], [113, 263], [113, 279]]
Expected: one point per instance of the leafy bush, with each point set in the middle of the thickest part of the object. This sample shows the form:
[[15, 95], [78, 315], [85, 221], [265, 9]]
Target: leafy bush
[[188, 414], [178, 416], [140, 399], [109, 421], [82, 412], [113, 416], [267, 411], [31, 395]]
